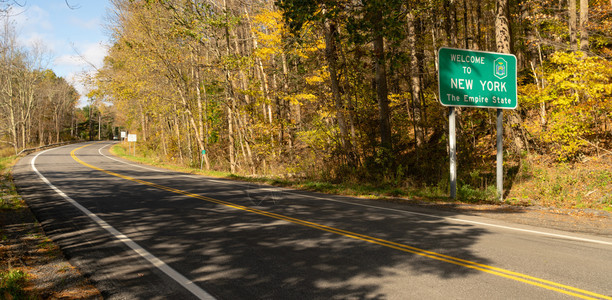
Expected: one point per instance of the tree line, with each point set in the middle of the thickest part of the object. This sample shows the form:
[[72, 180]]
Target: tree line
[[37, 107], [347, 90]]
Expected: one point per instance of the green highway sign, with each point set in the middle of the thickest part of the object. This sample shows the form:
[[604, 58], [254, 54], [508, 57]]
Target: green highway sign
[[477, 79]]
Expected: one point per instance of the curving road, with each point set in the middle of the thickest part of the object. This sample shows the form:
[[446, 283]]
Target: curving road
[[140, 232]]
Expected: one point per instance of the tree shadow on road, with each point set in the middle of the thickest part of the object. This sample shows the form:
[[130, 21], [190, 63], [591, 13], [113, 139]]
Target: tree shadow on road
[[238, 254]]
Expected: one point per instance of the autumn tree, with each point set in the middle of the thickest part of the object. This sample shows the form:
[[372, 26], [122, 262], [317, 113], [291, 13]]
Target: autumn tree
[[341, 90], [35, 105]]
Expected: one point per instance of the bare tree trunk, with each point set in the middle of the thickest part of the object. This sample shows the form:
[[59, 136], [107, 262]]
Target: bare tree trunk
[[143, 122], [332, 62], [584, 18], [502, 38], [57, 126], [447, 22], [230, 133], [415, 80], [542, 103], [200, 127], [502, 27], [479, 26], [22, 130], [13, 124], [99, 126], [572, 24], [466, 31], [189, 144], [262, 73], [381, 81], [177, 131], [163, 136], [91, 122]]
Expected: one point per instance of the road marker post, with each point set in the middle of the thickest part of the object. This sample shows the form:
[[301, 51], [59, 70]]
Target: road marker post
[[202, 159], [132, 138]]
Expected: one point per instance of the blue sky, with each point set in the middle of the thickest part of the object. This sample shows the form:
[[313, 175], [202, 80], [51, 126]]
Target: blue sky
[[65, 31]]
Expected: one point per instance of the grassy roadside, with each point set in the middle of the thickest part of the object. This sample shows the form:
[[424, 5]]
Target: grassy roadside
[[13, 280], [536, 182], [359, 190], [9, 199], [580, 185]]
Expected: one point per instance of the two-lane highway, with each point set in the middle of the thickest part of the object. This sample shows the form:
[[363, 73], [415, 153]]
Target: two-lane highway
[[142, 232]]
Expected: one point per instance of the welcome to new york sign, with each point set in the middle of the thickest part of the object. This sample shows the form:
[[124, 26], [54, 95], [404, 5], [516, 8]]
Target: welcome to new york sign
[[477, 79]]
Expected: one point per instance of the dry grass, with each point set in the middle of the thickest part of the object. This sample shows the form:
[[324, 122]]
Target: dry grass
[[586, 184]]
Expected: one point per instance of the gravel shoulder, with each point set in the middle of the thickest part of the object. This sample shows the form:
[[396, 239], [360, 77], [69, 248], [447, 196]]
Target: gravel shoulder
[[587, 221], [25, 247]]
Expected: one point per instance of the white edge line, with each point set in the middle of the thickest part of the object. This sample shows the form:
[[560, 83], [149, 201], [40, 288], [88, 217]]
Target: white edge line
[[158, 263], [288, 191], [465, 221]]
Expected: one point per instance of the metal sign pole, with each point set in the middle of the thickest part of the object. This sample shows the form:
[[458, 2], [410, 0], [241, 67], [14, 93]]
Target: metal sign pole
[[453, 151], [500, 154]]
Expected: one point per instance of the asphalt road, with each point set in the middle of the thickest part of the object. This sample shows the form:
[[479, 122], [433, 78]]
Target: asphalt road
[[139, 232]]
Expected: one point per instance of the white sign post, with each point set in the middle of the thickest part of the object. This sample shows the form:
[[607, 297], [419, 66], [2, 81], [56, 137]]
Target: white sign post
[[132, 138], [123, 135]]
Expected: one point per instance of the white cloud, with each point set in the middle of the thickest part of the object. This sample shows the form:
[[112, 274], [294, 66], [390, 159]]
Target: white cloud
[[79, 81], [69, 61], [29, 17], [92, 54], [92, 24], [33, 26], [95, 54]]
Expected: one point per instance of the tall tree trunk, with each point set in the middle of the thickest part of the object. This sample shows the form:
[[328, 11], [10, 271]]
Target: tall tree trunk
[[447, 23], [415, 80], [502, 38], [99, 126], [572, 25], [502, 27], [332, 62], [202, 142], [261, 71], [91, 122], [230, 134], [57, 125], [584, 18], [381, 79], [13, 123], [454, 23], [466, 32], [177, 131], [230, 95]]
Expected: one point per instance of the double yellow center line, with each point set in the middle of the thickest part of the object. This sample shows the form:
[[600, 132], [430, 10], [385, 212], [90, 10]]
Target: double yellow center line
[[553, 286]]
